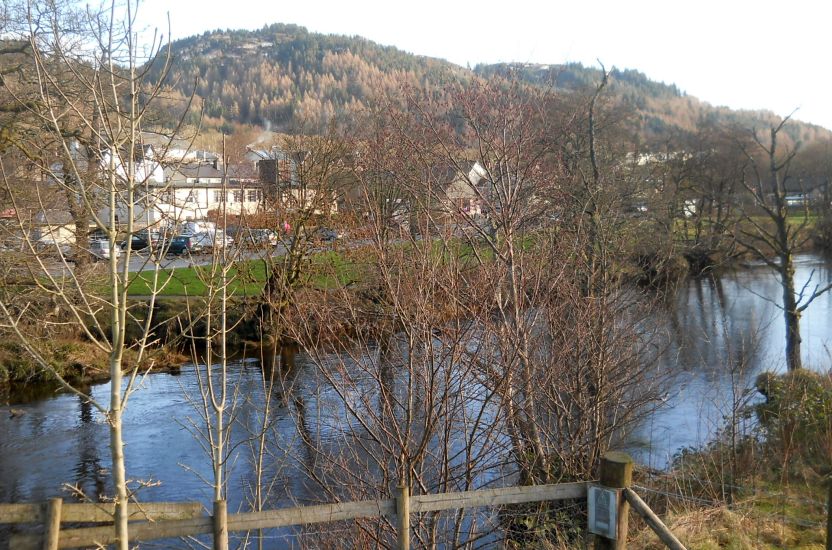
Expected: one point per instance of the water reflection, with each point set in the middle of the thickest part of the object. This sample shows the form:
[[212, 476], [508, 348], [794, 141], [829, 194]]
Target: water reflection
[[90, 475], [722, 333]]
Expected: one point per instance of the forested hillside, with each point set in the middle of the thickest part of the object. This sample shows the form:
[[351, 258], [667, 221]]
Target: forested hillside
[[659, 109], [282, 76]]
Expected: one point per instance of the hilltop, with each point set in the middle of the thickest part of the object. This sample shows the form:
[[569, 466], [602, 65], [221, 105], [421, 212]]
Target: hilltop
[[660, 109], [282, 75]]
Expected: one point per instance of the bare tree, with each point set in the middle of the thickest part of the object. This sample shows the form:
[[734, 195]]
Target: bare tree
[[310, 174], [715, 166], [775, 231], [87, 108]]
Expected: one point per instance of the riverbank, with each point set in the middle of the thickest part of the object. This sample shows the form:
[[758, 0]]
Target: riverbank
[[339, 297], [78, 362], [178, 331], [760, 484]]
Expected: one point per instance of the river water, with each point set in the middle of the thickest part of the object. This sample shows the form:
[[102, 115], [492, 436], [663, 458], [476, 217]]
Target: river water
[[722, 333]]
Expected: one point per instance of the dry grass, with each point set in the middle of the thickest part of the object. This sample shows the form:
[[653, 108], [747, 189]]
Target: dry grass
[[745, 526]]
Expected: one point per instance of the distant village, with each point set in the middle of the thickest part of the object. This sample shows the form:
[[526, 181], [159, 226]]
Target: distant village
[[180, 189]]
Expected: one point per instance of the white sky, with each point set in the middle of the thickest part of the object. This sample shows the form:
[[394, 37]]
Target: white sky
[[744, 54]]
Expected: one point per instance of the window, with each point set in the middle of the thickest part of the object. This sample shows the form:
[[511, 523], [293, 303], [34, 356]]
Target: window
[[219, 196], [192, 197], [238, 196], [253, 195]]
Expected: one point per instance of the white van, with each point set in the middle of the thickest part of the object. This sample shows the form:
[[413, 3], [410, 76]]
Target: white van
[[100, 249], [194, 227]]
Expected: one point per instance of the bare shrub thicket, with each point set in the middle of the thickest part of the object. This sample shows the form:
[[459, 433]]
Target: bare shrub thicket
[[478, 357]]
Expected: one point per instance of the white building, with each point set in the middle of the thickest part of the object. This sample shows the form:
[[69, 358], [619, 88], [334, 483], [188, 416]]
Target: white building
[[192, 192]]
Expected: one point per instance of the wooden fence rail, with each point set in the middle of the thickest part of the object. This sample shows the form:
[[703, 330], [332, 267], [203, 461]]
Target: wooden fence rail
[[153, 513], [154, 521], [169, 527], [652, 520], [100, 513]]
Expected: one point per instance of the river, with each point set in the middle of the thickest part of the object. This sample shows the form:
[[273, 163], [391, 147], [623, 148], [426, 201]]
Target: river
[[723, 333]]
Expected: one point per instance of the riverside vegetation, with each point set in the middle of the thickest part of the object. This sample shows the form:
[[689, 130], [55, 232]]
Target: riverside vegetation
[[760, 484], [512, 329]]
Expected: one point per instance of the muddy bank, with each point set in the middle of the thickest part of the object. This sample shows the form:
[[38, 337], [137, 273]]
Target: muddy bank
[[177, 336]]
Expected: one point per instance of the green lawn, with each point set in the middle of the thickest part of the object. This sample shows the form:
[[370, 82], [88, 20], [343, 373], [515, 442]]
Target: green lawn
[[328, 269], [793, 219]]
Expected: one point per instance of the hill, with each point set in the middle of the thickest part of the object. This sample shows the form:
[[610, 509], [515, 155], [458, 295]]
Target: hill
[[660, 109], [281, 75]]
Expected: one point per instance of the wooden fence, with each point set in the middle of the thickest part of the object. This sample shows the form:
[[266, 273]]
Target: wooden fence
[[154, 521]]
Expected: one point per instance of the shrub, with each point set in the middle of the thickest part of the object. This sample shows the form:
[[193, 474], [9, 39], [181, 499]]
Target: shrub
[[822, 234], [796, 418]]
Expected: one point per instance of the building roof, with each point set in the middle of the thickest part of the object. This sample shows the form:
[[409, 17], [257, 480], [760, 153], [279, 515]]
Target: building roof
[[53, 217], [241, 172], [207, 176], [198, 171]]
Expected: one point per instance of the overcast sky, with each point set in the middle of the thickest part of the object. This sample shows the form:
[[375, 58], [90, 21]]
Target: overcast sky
[[744, 54]]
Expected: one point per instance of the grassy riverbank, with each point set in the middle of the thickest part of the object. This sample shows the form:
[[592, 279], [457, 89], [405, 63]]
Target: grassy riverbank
[[764, 487], [767, 517], [76, 360], [648, 263]]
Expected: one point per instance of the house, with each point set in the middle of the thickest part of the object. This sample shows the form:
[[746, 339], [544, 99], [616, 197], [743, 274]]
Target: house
[[192, 191], [806, 190], [164, 193], [52, 228], [795, 200], [146, 168], [171, 193], [285, 184], [464, 193]]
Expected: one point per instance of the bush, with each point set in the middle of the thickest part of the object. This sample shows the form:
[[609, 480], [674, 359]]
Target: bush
[[796, 418], [822, 233]]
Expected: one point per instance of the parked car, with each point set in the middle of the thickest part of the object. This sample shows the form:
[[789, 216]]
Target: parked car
[[185, 244], [54, 249], [209, 241], [326, 235], [145, 239], [254, 237], [194, 227], [100, 249]]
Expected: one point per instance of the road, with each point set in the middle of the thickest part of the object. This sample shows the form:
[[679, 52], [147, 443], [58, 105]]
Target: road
[[140, 260]]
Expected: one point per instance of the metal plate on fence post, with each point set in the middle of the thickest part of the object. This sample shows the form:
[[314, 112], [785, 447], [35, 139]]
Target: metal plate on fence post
[[603, 511]]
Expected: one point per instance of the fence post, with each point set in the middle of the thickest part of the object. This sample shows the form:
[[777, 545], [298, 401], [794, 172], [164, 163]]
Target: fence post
[[653, 521], [616, 473], [220, 522], [403, 517], [52, 524]]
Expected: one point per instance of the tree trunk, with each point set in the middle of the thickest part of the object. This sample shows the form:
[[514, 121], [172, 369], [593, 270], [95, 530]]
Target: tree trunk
[[74, 192], [117, 451], [118, 331], [791, 313]]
